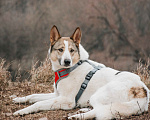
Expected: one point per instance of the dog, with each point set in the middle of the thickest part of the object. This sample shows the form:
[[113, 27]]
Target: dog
[[110, 93]]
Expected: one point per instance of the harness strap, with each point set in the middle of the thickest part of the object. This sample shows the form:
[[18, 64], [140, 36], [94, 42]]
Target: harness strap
[[91, 64], [86, 81], [118, 73], [63, 73]]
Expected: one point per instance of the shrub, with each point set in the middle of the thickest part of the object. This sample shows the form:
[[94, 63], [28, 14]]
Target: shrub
[[43, 72]]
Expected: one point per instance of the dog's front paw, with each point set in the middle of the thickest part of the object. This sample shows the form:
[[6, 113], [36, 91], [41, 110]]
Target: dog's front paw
[[16, 100], [19, 100], [76, 117], [72, 118], [83, 110], [19, 112]]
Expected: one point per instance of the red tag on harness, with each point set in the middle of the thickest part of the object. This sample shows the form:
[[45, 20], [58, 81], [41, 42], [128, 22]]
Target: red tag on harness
[[57, 77]]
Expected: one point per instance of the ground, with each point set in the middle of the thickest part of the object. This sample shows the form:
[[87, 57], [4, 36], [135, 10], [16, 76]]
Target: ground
[[24, 88]]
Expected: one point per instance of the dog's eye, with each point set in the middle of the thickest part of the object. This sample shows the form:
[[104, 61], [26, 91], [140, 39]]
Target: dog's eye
[[60, 50], [72, 50]]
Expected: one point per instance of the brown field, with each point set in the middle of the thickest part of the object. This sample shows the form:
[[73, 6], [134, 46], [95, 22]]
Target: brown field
[[114, 32], [41, 82]]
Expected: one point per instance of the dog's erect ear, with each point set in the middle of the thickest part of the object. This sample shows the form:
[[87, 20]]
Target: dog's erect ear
[[54, 35], [76, 36]]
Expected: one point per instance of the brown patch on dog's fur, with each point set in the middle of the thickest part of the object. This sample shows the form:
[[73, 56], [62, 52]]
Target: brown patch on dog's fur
[[54, 35], [75, 58], [76, 36], [55, 55], [137, 92], [75, 55]]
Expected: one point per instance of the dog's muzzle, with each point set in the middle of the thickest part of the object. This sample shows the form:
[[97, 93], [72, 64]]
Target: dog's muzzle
[[67, 62]]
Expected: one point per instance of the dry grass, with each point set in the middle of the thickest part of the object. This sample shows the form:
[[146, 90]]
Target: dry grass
[[143, 70], [41, 81], [5, 75], [26, 87], [42, 72]]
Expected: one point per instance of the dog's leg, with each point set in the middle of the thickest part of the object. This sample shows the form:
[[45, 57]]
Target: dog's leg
[[119, 110], [34, 98], [84, 110], [52, 104], [88, 115], [113, 101]]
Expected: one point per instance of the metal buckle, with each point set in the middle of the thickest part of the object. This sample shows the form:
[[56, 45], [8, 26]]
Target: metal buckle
[[58, 75], [89, 75], [83, 86], [79, 63]]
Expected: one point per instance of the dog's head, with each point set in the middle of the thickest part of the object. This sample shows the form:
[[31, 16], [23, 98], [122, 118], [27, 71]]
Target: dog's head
[[65, 51]]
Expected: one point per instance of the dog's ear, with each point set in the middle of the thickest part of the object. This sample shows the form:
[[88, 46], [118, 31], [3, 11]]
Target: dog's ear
[[76, 36], [54, 35]]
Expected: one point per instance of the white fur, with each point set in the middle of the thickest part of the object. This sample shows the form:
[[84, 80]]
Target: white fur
[[83, 53], [108, 93], [66, 54]]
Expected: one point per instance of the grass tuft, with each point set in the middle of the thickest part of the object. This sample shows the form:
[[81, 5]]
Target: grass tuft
[[5, 75], [143, 70], [43, 72]]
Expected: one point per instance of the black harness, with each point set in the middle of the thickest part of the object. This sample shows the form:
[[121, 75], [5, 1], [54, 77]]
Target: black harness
[[63, 73]]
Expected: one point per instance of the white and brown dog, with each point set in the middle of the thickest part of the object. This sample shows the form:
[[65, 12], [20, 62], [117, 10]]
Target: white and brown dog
[[111, 93]]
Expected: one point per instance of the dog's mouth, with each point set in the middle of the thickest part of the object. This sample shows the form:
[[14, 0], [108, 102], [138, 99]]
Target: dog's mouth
[[66, 66]]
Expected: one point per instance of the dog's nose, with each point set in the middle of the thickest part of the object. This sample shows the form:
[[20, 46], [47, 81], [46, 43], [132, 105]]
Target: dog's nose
[[67, 62]]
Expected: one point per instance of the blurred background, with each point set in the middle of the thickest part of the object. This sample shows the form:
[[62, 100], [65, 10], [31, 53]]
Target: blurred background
[[114, 32]]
